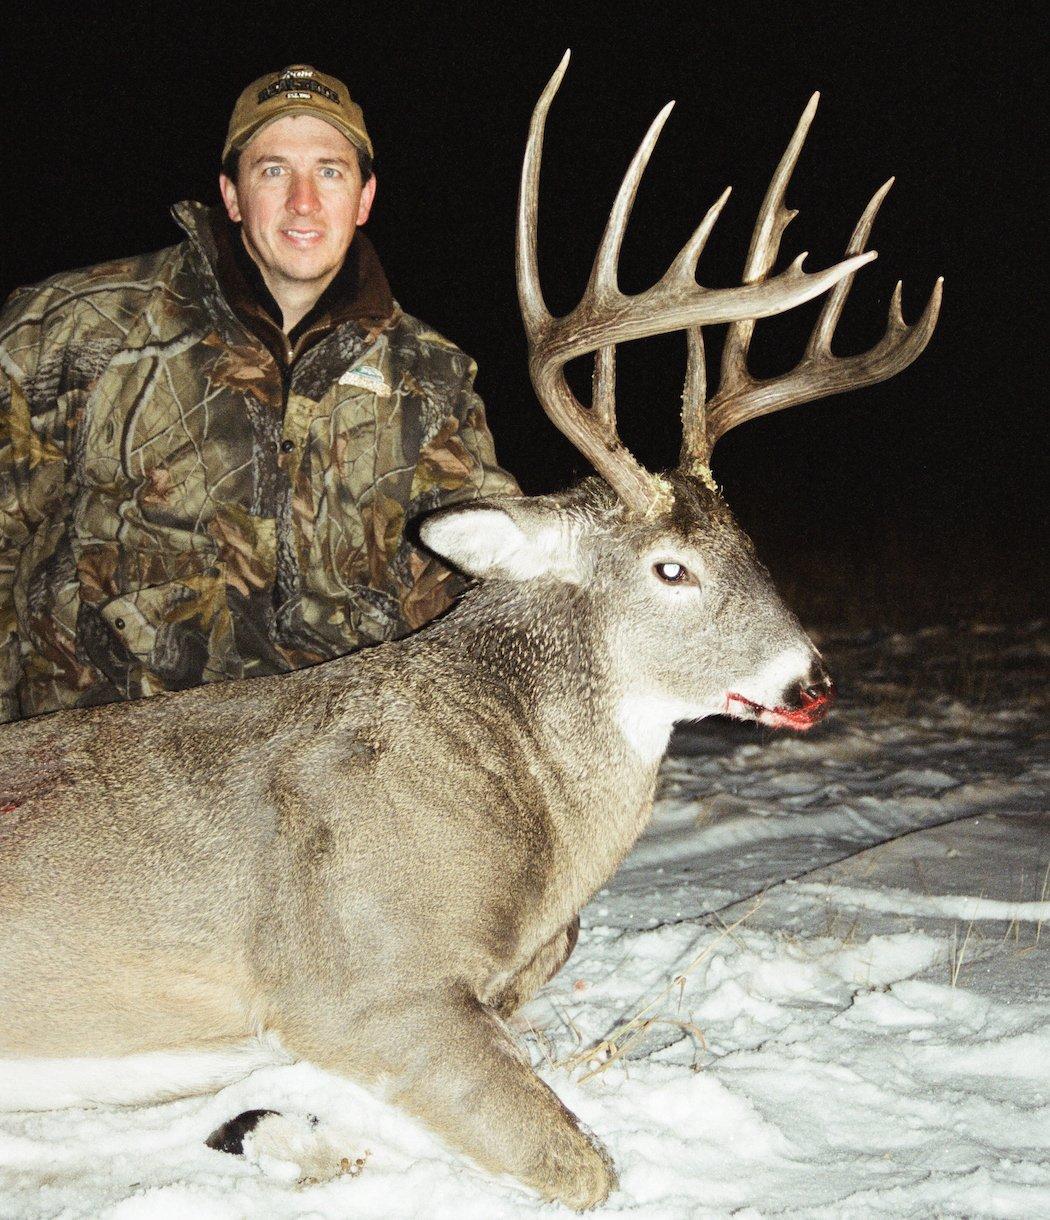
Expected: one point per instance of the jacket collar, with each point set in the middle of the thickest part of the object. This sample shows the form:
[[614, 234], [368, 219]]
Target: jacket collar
[[359, 293]]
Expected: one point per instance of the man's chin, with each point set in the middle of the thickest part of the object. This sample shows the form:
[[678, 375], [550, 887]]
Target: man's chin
[[280, 263], [308, 270]]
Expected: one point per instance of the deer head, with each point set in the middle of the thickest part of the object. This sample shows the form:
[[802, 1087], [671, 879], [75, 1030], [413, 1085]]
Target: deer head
[[683, 602]]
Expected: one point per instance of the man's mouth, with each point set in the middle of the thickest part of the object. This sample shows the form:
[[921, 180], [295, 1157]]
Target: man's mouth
[[811, 709], [302, 238]]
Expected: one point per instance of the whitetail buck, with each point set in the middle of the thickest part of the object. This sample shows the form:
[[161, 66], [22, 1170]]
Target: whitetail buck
[[378, 860]]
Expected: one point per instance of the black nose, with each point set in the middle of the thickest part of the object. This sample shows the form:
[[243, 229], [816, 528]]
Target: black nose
[[818, 686], [818, 690]]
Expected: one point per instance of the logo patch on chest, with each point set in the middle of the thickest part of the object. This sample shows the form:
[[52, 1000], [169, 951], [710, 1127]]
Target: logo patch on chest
[[367, 379]]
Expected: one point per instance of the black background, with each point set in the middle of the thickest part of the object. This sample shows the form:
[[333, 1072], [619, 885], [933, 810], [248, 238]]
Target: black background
[[115, 111]]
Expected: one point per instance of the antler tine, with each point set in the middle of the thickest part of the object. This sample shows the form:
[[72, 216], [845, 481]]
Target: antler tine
[[592, 432], [684, 266], [602, 283], [603, 387], [815, 378], [694, 391], [695, 450], [605, 316], [530, 295], [820, 340], [819, 373], [740, 396], [603, 273], [773, 219], [896, 328]]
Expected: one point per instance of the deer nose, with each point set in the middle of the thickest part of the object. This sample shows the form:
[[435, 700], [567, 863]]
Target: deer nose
[[817, 688], [822, 688]]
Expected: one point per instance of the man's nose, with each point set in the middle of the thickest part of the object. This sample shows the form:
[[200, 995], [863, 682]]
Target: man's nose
[[303, 197]]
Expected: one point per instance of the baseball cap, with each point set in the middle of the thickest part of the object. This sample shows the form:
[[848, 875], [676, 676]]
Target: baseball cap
[[299, 89]]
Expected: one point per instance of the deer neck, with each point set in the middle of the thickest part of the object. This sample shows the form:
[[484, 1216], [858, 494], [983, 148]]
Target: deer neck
[[552, 649], [546, 653], [541, 646]]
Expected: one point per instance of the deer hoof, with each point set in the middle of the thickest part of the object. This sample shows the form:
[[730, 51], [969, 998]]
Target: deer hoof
[[291, 1146]]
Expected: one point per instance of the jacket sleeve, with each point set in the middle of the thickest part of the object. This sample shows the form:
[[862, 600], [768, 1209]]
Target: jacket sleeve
[[32, 482], [458, 463]]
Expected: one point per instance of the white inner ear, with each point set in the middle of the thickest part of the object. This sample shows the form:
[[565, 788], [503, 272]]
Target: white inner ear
[[488, 542], [474, 539]]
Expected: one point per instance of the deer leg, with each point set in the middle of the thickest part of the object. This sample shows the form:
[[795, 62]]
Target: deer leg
[[457, 1069], [543, 967]]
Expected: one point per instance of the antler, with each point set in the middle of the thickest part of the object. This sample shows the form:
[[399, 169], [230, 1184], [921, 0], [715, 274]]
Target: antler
[[740, 396], [605, 316]]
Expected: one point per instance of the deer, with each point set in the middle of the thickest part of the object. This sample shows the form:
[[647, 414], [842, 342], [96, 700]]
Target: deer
[[372, 864]]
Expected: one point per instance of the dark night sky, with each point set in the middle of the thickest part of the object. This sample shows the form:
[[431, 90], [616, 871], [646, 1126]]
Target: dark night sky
[[114, 113]]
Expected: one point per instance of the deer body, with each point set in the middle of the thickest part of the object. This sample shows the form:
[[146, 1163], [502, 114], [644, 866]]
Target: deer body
[[457, 796], [247, 838], [379, 859]]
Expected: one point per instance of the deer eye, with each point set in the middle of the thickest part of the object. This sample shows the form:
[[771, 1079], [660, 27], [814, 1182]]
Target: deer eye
[[674, 573]]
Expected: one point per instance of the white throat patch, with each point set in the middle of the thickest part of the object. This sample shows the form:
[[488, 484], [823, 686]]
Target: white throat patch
[[646, 722]]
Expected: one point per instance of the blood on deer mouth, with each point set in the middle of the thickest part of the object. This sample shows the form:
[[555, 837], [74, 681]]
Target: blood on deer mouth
[[811, 709]]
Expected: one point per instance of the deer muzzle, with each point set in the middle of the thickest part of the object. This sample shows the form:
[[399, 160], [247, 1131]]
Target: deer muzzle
[[800, 708]]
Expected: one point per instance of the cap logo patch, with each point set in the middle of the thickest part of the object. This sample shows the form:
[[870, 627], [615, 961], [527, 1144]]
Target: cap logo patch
[[295, 86]]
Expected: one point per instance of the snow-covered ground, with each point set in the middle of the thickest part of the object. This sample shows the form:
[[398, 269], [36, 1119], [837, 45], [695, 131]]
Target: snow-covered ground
[[820, 986]]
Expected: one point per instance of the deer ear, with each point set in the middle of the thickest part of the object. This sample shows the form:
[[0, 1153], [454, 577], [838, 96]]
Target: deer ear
[[512, 539]]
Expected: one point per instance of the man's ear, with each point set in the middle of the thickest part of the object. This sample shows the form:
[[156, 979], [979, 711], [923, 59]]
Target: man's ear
[[509, 539], [368, 197], [228, 191]]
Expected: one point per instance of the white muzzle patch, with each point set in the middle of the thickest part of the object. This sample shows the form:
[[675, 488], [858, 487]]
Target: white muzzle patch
[[788, 668]]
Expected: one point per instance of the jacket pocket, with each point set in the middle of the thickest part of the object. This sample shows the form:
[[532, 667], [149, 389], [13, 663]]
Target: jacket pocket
[[172, 636]]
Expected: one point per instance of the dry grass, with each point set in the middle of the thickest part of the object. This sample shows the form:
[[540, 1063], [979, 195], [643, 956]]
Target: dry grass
[[975, 947], [628, 1034], [976, 667], [958, 952], [1015, 924]]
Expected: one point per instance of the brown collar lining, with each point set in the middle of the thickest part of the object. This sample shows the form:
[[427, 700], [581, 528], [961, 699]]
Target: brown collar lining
[[359, 292]]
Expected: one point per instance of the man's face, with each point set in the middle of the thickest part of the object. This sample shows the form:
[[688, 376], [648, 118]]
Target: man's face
[[299, 199]]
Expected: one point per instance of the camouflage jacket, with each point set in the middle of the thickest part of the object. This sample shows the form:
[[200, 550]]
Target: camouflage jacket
[[181, 502]]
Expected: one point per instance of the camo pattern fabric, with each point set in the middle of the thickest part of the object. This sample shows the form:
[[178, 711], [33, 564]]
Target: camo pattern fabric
[[176, 510]]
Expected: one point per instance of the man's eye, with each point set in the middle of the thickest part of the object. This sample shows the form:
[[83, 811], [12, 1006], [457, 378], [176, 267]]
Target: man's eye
[[329, 172], [272, 171], [674, 574]]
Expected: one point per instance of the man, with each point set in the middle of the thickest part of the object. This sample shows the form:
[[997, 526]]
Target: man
[[209, 455]]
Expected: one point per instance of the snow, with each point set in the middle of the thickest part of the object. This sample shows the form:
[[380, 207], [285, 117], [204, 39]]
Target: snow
[[819, 986]]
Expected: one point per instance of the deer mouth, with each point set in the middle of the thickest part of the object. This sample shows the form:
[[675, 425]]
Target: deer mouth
[[810, 709]]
